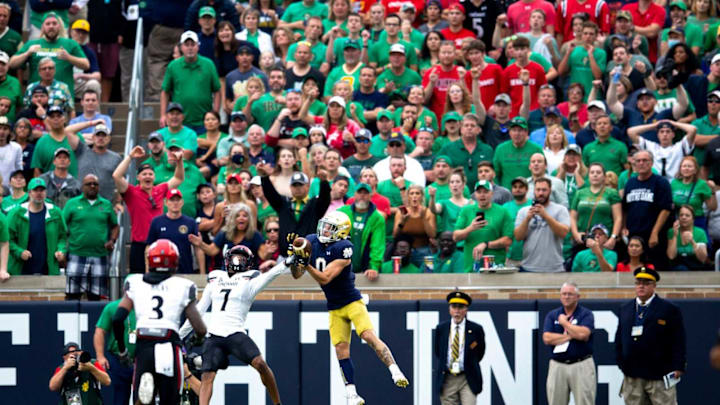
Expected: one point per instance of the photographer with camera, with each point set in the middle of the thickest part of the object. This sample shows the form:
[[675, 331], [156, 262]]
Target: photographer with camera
[[596, 257], [79, 378]]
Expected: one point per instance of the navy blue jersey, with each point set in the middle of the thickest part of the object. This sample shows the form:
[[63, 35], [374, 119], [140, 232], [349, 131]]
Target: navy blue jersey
[[176, 230], [341, 290]]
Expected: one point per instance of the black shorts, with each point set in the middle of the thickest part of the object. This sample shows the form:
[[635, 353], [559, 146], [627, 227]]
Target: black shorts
[[217, 350], [168, 388]]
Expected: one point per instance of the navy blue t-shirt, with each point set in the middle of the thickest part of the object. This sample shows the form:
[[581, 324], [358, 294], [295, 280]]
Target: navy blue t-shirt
[[207, 45], [632, 117], [643, 202], [587, 135], [223, 243], [341, 290], [372, 100], [177, 231], [37, 245], [576, 349]]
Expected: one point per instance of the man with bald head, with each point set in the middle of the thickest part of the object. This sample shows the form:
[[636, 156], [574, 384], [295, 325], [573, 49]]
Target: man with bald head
[[92, 231]]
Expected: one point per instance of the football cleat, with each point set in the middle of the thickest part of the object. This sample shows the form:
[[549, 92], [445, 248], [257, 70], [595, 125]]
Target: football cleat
[[400, 380], [146, 389], [355, 399]]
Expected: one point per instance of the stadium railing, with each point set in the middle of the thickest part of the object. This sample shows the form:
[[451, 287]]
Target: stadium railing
[[118, 261]]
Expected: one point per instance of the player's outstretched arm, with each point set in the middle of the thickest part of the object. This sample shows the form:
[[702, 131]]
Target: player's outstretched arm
[[201, 307], [195, 319], [331, 271], [259, 283]]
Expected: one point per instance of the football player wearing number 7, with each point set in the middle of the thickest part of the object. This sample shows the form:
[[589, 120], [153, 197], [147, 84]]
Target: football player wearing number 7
[[330, 257]]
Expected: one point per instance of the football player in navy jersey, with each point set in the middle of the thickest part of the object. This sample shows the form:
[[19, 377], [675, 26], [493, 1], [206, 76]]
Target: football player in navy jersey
[[330, 265]]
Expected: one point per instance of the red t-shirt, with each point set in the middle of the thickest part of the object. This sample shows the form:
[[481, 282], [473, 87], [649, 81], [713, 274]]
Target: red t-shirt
[[490, 83], [654, 15], [512, 85], [624, 267], [381, 203], [142, 210], [564, 108], [445, 79], [519, 14], [334, 137], [393, 6], [457, 37], [598, 11]]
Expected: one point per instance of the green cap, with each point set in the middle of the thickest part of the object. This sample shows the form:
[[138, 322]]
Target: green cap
[[174, 143], [450, 116], [207, 10], [352, 44], [363, 186], [484, 184], [519, 122], [442, 158], [385, 113], [50, 14], [36, 182], [299, 131], [679, 4]]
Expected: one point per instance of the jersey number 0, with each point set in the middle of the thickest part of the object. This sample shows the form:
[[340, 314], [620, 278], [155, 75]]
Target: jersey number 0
[[320, 263]]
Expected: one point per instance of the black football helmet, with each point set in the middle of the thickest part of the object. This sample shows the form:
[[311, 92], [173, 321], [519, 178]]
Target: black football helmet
[[238, 259]]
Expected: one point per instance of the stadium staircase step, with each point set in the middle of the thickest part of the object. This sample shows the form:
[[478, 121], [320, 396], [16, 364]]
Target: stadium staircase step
[[119, 111]]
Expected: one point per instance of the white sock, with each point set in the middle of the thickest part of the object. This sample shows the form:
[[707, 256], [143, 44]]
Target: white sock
[[350, 390], [394, 369]]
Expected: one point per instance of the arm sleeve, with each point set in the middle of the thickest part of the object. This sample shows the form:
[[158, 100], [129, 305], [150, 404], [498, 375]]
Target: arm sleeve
[[260, 282], [202, 307]]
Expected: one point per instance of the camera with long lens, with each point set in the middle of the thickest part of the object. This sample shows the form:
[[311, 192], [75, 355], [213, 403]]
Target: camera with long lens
[[84, 358]]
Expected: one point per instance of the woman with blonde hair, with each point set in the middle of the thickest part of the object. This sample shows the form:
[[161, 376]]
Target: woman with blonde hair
[[703, 14], [556, 144], [689, 189], [417, 221], [255, 88], [239, 229], [282, 38], [339, 128], [234, 194], [355, 110]]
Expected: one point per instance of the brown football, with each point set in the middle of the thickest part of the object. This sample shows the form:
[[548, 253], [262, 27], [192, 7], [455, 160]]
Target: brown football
[[301, 243]]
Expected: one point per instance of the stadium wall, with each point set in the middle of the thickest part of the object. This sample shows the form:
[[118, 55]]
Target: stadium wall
[[293, 337]]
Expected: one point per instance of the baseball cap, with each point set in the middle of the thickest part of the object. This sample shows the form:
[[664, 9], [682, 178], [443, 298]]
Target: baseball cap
[[645, 92], [337, 99], [665, 124], [679, 4], [363, 133], [256, 181], [597, 104], [677, 29], [600, 227], [504, 97], [61, 150], [16, 172], [352, 44], [233, 176], [4, 121], [206, 11], [101, 128], [442, 158], [81, 25], [457, 6], [451, 116], [407, 6], [716, 57], [397, 48], [246, 47], [204, 185], [55, 109], [155, 136], [50, 14], [434, 3], [483, 184], [520, 179], [714, 93], [396, 137], [299, 178], [35, 183], [317, 128], [573, 148], [145, 166], [552, 110], [173, 193], [4, 58], [363, 186], [39, 88], [237, 114], [299, 131], [519, 122], [174, 106], [70, 347], [174, 143], [188, 35], [624, 14], [385, 114]]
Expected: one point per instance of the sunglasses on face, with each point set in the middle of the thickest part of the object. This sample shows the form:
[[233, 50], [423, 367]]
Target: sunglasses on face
[[91, 184], [272, 230], [394, 145], [363, 140]]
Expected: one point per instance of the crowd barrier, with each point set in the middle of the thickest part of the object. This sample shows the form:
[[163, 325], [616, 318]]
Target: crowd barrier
[[293, 338]]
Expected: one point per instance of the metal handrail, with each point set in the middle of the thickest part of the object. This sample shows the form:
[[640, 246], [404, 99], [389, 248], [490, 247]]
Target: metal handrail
[[118, 259]]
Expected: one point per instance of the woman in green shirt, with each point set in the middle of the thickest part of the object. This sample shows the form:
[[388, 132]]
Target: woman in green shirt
[[688, 189], [687, 244], [425, 118], [703, 14], [337, 17], [596, 204], [447, 211]]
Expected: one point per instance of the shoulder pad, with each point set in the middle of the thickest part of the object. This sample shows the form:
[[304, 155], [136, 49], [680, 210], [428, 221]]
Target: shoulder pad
[[215, 275], [250, 274]]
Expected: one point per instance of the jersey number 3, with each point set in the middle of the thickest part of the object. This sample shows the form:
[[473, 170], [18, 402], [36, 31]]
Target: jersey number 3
[[157, 309]]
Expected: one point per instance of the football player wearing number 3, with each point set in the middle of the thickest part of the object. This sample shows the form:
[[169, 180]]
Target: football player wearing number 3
[[159, 299], [329, 263], [232, 294]]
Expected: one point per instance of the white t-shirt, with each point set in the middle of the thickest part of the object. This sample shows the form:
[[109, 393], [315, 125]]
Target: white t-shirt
[[414, 172], [10, 160], [672, 154]]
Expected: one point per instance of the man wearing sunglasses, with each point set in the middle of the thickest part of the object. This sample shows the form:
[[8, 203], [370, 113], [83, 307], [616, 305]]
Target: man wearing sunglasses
[[707, 145], [92, 231]]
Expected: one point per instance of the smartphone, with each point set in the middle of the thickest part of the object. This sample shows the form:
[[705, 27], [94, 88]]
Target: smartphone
[[535, 202], [480, 215], [403, 210]]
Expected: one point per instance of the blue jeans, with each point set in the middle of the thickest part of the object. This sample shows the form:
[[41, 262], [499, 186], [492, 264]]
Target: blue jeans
[[121, 378]]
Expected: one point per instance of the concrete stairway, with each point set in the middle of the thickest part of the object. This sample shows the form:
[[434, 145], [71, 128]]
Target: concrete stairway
[[149, 118]]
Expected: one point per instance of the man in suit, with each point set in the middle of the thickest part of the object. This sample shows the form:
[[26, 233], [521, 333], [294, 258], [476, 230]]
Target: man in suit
[[459, 347], [649, 344]]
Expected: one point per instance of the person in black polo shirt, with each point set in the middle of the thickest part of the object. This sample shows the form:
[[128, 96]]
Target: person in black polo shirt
[[569, 329]]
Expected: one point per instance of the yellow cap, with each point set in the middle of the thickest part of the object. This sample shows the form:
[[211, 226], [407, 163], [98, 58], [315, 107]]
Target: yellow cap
[[81, 25]]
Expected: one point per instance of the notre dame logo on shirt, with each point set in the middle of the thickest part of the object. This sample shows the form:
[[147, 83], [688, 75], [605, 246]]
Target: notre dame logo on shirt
[[183, 229]]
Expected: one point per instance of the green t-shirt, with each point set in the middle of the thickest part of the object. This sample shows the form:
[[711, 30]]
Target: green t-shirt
[[63, 69], [516, 247], [44, 154], [511, 162], [8, 202], [686, 251], [105, 323], [4, 234], [265, 212], [461, 157], [11, 42], [188, 187], [426, 112], [535, 57], [586, 261], [704, 127], [88, 225], [265, 110], [450, 212], [299, 11], [318, 51], [339, 73], [612, 154], [453, 264], [192, 85], [580, 71], [155, 163], [380, 53], [443, 192], [387, 267], [668, 100], [700, 193], [378, 146], [317, 108], [693, 35], [598, 205], [499, 224], [186, 136], [315, 187], [10, 88], [402, 82]]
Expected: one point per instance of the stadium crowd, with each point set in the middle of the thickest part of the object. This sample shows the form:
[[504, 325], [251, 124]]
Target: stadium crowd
[[456, 135]]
